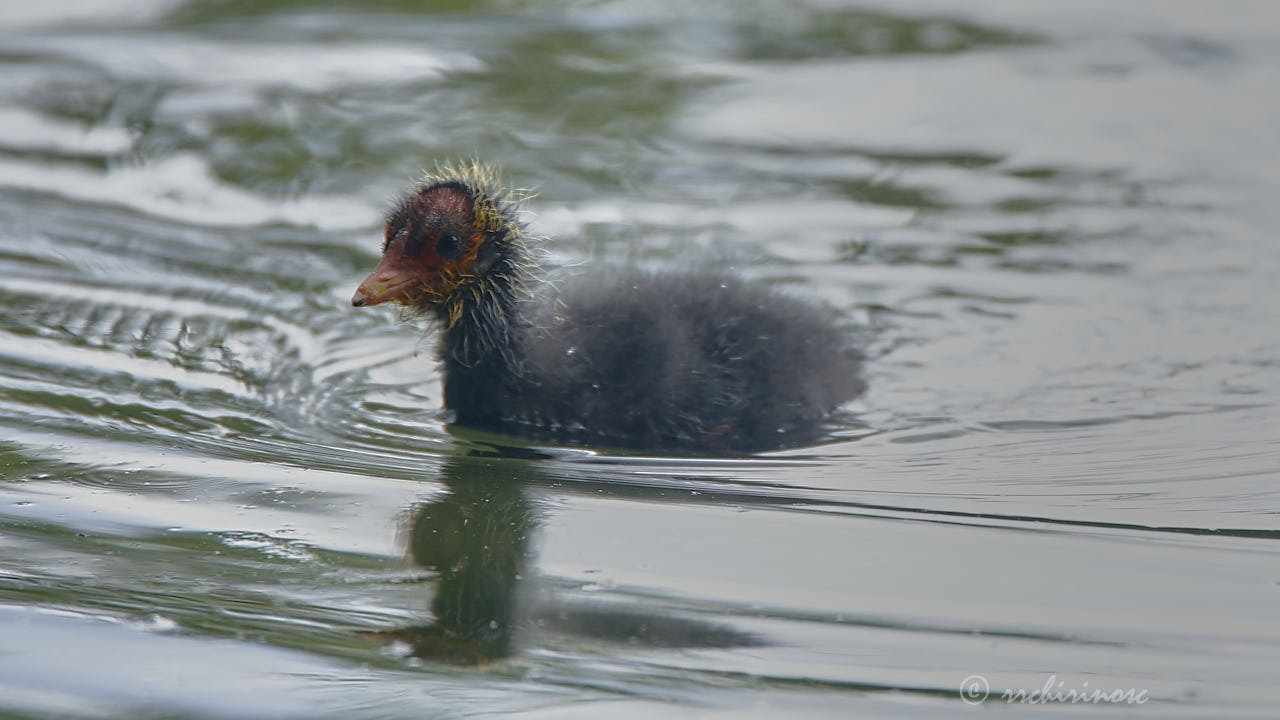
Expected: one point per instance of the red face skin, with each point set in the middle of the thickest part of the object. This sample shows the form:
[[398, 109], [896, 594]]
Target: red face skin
[[432, 241]]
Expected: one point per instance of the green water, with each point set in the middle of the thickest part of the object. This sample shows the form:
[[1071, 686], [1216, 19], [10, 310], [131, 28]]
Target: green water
[[225, 493]]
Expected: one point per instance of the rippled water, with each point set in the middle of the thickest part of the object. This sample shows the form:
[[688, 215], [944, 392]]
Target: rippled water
[[226, 493]]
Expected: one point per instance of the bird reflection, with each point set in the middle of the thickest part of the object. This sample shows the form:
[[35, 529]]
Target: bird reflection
[[476, 540]]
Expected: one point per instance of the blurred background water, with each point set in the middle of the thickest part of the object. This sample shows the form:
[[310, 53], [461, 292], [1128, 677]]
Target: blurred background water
[[225, 493]]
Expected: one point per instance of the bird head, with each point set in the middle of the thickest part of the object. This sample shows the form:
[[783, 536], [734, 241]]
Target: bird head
[[455, 234]]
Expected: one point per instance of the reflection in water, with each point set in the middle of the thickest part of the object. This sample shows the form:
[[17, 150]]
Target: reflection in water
[[476, 539]]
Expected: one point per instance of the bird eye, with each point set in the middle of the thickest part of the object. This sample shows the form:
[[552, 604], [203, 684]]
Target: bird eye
[[449, 245]]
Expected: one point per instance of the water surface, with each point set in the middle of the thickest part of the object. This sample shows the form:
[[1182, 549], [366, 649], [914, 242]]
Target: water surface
[[225, 493]]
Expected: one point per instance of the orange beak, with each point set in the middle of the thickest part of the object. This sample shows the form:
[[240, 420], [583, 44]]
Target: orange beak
[[387, 283]]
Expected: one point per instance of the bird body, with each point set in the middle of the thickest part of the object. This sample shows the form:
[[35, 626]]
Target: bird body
[[688, 361]]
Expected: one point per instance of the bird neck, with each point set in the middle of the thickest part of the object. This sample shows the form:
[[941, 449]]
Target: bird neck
[[480, 322], [481, 352]]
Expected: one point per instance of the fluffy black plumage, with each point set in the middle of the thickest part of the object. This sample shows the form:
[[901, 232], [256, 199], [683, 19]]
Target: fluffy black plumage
[[689, 361]]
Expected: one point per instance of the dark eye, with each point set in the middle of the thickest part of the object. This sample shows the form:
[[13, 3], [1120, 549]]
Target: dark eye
[[449, 245]]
